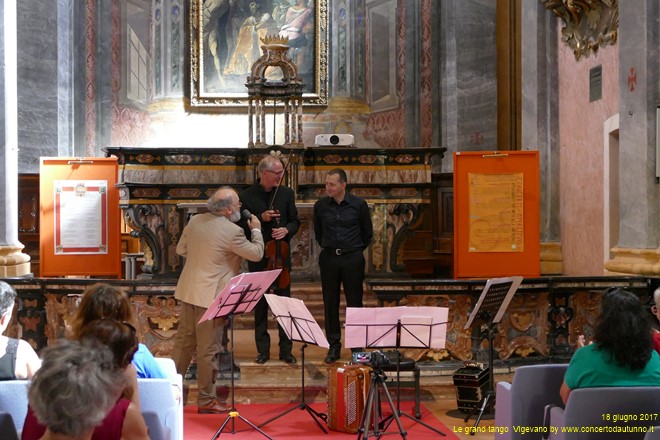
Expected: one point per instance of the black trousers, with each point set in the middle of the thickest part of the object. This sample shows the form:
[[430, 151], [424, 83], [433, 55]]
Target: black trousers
[[338, 270], [261, 336]]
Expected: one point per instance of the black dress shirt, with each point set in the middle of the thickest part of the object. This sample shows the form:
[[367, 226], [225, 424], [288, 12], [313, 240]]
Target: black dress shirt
[[257, 200], [346, 225]]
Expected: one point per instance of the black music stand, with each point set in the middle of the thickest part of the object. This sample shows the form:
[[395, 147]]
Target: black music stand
[[490, 308], [393, 327], [299, 325], [240, 295]]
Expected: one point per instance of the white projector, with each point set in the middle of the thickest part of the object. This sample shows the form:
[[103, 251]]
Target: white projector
[[336, 140]]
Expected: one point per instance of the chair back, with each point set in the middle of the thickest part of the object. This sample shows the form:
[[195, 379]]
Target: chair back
[[156, 429], [14, 400], [653, 434], [522, 403], [7, 427], [611, 407], [168, 367], [157, 396]]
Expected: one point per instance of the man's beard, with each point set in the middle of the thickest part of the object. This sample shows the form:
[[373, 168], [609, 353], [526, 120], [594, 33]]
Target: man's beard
[[235, 216]]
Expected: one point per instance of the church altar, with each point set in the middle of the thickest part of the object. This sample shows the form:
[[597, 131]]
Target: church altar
[[156, 185]]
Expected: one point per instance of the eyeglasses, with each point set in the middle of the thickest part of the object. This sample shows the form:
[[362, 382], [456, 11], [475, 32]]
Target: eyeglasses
[[239, 204], [277, 173]]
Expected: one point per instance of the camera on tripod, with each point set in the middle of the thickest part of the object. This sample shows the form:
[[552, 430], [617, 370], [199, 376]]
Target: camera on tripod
[[375, 359]]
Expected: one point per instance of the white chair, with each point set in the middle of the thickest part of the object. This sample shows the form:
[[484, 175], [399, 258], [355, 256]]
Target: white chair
[[165, 398], [14, 400], [156, 430]]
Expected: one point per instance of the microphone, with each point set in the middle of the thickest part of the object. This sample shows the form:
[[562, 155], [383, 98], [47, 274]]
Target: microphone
[[245, 214]]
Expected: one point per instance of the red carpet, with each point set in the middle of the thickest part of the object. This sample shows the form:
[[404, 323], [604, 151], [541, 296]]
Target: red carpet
[[297, 424]]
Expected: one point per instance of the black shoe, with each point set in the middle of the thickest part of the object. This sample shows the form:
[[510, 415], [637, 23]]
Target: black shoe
[[333, 356], [288, 358], [262, 358]]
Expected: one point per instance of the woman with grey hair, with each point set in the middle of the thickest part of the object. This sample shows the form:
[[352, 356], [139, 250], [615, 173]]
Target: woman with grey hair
[[18, 360], [124, 420], [75, 388]]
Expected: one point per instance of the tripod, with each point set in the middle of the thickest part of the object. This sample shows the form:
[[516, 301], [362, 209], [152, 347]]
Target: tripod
[[372, 406], [389, 418], [233, 414], [302, 405]]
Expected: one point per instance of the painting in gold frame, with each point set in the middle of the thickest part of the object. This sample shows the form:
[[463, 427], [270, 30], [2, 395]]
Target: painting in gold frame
[[225, 42]]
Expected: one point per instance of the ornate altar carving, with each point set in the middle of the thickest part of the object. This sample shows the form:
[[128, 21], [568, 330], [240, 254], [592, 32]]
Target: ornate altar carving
[[588, 24], [155, 183], [287, 91]]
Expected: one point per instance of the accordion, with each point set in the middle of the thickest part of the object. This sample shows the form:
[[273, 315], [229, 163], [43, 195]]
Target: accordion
[[471, 384], [348, 387]]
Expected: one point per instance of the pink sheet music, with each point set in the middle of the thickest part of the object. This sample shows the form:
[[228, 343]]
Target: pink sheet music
[[421, 327], [296, 320], [241, 294]]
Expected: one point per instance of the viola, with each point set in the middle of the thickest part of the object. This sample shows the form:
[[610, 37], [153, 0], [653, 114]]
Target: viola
[[276, 251]]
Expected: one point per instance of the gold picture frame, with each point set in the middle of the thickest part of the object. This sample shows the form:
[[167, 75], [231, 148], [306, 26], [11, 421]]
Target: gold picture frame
[[225, 40]]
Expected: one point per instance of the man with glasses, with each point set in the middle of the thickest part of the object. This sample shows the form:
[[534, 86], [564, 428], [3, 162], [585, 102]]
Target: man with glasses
[[275, 206], [214, 247]]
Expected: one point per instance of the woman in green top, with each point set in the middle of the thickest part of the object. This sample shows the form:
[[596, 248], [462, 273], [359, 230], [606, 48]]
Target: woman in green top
[[622, 353]]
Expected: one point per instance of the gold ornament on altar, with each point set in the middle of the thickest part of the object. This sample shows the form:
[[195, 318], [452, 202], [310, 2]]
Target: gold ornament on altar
[[275, 86], [275, 40]]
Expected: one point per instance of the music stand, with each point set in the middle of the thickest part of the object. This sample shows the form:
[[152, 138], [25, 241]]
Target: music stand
[[240, 295], [299, 325], [490, 308], [397, 327]]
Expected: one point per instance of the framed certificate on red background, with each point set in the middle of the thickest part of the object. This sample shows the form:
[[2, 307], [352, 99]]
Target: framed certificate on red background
[[80, 217]]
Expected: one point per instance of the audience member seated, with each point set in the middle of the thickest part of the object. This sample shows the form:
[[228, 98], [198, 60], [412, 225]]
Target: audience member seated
[[75, 390], [656, 311], [105, 301], [18, 359], [622, 351], [125, 420]]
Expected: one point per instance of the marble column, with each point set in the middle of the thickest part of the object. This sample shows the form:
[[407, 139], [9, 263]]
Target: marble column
[[638, 249], [540, 121], [12, 261]]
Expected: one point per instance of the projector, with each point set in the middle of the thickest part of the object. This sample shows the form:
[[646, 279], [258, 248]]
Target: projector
[[337, 140]]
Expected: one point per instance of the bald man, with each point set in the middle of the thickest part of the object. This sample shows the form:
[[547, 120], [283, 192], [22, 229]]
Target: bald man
[[214, 247]]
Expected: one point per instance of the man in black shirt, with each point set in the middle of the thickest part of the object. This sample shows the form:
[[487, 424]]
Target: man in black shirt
[[275, 206], [343, 229]]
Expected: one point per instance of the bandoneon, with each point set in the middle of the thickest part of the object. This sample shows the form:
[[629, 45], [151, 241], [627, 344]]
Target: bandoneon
[[471, 384], [348, 387]]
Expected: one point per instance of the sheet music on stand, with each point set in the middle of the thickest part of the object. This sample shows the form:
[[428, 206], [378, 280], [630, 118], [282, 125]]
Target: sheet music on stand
[[241, 294], [392, 327], [296, 320], [490, 308], [495, 299], [376, 327], [299, 325]]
